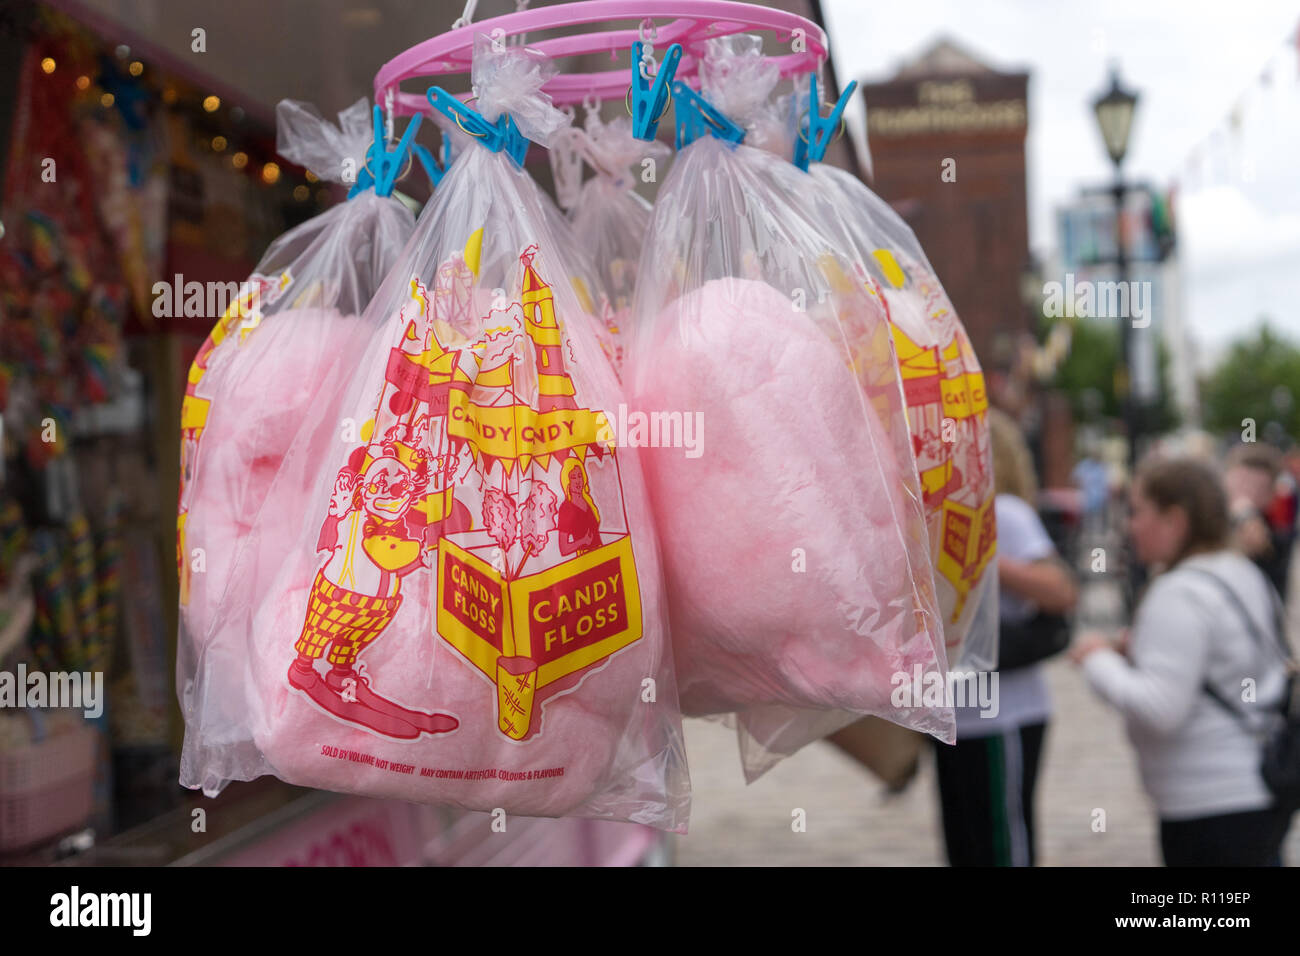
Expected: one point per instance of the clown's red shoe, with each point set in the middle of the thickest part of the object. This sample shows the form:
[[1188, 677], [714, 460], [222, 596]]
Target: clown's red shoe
[[337, 680], [353, 711]]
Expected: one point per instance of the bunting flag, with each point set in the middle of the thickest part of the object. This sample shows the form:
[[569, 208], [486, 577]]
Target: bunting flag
[[1218, 157]]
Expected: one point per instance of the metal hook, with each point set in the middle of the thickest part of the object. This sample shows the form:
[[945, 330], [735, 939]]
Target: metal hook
[[467, 132], [386, 160], [697, 116], [627, 103], [409, 162], [497, 136]]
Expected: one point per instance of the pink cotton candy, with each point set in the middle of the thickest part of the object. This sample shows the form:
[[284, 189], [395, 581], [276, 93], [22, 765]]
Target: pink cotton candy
[[260, 381], [787, 577], [476, 556], [945, 395], [302, 744], [579, 752], [578, 745]]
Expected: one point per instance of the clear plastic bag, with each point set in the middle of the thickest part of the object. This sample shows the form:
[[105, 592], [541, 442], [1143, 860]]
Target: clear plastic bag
[[470, 611], [610, 220], [943, 387], [740, 82], [286, 332], [587, 282], [795, 549], [585, 277]]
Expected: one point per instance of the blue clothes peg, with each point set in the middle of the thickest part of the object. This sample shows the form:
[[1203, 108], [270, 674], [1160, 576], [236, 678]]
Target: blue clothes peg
[[650, 97], [431, 167], [446, 153], [498, 136], [811, 144], [696, 117], [383, 166]]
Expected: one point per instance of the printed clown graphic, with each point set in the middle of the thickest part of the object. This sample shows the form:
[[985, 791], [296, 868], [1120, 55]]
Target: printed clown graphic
[[391, 503], [481, 468], [375, 539]]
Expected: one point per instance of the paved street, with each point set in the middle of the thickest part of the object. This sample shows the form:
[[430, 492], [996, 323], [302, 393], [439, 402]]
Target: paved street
[[1088, 764], [850, 820]]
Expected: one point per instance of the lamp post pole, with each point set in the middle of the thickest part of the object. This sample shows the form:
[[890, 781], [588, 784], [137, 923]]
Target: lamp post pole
[[1129, 408], [1114, 110]]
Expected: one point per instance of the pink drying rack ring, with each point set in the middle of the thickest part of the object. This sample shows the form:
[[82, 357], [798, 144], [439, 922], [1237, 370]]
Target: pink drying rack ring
[[693, 24]]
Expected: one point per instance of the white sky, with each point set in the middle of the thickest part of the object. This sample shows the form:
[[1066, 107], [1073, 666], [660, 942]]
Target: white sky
[[1191, 62]]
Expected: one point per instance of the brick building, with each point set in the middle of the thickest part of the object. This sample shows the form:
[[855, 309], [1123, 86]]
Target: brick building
[[947, 105]]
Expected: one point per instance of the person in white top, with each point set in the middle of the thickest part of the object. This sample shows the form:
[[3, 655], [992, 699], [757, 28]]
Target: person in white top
[[987, 780], [1199, 762]]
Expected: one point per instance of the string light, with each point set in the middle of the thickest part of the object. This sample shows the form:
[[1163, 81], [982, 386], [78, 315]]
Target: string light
[[48, 64], [169, 95], [218, 143], [240, 160], [211, 104], [301, 193], [311, 177], [83, 82], [106, 100], [270, 173], [136, 68]]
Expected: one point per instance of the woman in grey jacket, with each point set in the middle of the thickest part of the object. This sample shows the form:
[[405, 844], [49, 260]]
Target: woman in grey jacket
[[1207, 621]]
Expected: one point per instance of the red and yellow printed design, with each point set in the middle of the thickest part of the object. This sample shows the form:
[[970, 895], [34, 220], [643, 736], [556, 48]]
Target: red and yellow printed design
[[536, 588], [243, 314], [946, 404], [968, 543], [938, 387], [526, 634]]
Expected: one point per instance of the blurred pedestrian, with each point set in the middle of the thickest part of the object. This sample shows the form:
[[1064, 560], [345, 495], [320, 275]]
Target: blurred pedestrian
[[1251, 481], [987, 780], [1206, 633], [1093, 479]]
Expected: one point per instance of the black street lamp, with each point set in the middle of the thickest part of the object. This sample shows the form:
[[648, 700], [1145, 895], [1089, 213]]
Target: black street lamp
[[1115, 109]]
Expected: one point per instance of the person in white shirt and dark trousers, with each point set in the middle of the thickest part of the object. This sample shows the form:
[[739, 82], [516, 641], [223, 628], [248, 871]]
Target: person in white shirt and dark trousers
[[1202, 671], [987, 780]]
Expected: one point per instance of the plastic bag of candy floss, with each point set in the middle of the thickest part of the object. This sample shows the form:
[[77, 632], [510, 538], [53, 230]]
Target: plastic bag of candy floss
[[738, 79], [610, 219], [795, 551], [954, 467], [471, 614], [292, 324], [947, 405], [585, 279]]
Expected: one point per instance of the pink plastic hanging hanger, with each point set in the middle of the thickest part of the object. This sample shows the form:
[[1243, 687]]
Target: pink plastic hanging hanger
[[693, 24]]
